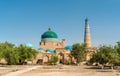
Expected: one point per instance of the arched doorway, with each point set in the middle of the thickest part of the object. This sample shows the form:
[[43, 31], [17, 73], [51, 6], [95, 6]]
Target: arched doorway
[[40, 61], [61, 56]]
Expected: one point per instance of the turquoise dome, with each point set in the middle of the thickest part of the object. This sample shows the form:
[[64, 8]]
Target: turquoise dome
[[68, 47], [49, 34], [40, 49], [50, 50], [29, 45]]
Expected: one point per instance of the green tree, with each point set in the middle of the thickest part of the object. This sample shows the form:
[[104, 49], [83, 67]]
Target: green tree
[[105, 54], [1, 51], [114, 58], [7, 51], [12, 57], [53, 60], [1, 55], [79, 52], [26, 53], [117, 48], [16, 54]]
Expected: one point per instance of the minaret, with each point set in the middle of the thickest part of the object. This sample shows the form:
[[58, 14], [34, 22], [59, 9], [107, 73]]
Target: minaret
[[87, 39]]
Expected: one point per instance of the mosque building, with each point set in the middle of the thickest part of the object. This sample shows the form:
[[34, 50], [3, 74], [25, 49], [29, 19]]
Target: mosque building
[[49, 45]]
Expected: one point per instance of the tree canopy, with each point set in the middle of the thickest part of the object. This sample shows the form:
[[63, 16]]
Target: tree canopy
[[53, 60], [16, 54], [105, 55], [79, 52]]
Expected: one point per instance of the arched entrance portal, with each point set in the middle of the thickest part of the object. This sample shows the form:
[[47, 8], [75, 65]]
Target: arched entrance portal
[[40, 61], [61, 56]]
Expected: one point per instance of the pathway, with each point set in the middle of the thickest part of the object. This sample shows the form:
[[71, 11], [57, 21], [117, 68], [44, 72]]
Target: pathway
[[17, 73]]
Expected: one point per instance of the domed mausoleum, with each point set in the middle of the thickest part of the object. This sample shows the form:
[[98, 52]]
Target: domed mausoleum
[[49, 45]]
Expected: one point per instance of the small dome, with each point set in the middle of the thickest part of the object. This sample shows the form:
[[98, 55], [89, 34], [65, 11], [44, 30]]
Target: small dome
[[29, 45], [40, 49], [50, 50], [68, 47], [49, 34]]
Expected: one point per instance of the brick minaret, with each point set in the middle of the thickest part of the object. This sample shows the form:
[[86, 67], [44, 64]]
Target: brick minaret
[[87, 39]]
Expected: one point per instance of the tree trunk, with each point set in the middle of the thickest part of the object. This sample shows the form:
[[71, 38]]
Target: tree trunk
[[112, 66], [102, 66], [78, 64]]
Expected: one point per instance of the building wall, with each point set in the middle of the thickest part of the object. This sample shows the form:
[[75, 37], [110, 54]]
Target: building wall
[[52, 45]]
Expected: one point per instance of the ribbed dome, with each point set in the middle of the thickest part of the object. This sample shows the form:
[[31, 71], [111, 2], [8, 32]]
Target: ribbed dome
[[49, 34]]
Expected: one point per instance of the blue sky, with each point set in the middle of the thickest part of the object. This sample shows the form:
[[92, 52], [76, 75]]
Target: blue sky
[[24, 21]]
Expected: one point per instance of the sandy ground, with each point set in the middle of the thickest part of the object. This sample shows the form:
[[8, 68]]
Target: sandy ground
[[6, 69], [17, 73], [69, 71], [61, 71], [70, 74]]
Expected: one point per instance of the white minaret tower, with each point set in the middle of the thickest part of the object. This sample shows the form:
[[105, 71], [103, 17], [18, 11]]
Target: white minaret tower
[[87, 39]]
